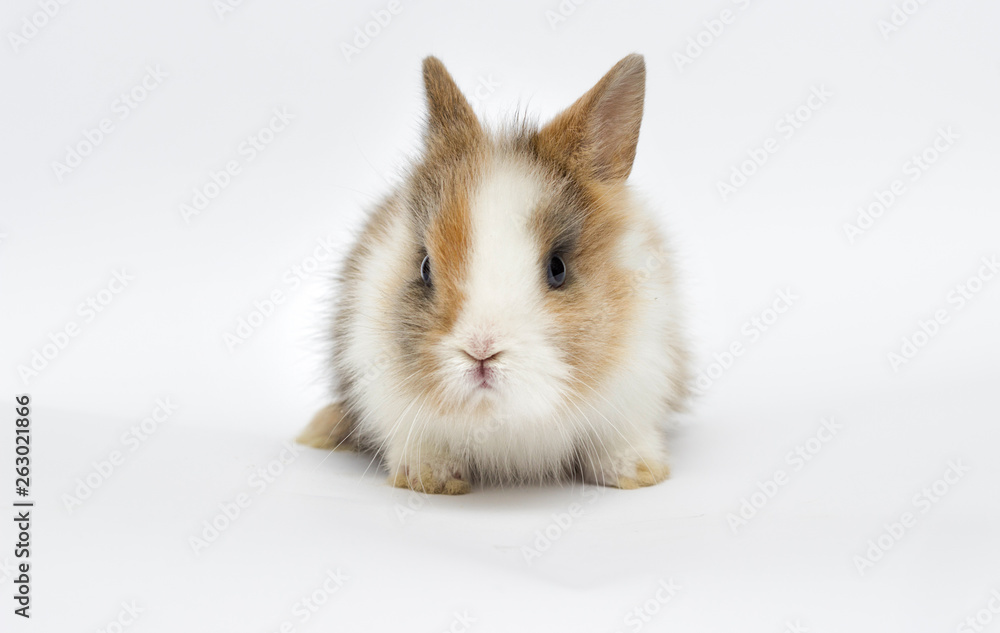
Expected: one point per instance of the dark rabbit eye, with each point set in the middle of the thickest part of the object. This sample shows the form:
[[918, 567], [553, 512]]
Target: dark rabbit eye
[[425, 270], [557, 272]]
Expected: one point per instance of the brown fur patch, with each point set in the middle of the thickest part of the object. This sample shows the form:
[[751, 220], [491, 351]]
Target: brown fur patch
[[452, 127], [438, 198], [593, 309], [329, 429]]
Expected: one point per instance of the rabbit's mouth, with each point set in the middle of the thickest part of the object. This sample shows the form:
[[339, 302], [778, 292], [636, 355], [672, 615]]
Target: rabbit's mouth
[[483, 376]]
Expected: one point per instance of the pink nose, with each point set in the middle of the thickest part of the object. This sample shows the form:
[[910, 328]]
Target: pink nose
[[482, 357], [481, 349]]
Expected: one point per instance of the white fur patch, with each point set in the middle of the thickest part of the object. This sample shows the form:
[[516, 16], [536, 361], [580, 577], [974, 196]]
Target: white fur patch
[[504, 291], [524, 428]]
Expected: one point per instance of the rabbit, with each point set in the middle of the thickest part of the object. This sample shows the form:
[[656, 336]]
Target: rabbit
[[509, 314]]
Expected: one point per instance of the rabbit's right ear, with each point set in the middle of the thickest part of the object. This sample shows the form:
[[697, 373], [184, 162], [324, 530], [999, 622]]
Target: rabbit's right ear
[[451, 123], [597, 135]]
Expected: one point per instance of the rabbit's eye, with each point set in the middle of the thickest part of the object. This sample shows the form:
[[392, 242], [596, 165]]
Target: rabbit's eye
[[556, 272], [425, 270]]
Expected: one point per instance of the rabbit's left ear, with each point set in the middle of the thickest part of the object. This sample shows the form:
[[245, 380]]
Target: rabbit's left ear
[[597, 136], [450, 118]]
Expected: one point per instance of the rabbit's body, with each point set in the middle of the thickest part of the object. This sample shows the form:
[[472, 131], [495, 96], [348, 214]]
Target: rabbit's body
[[509, 314]]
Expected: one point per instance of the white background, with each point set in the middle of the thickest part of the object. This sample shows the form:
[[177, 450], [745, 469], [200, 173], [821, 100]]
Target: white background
[[415, 562]]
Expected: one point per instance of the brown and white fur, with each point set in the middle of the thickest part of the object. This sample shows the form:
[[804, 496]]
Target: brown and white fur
[[488, 373]]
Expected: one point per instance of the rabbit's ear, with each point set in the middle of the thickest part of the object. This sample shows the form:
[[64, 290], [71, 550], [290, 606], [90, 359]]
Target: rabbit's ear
[[450, 119], [597, 135]]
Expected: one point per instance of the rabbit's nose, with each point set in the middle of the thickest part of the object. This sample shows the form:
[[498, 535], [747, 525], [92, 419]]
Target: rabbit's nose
[[482, 349], [481, 358]]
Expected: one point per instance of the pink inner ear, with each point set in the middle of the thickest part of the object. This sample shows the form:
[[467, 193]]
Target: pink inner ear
[[614, 124], [598, 134]]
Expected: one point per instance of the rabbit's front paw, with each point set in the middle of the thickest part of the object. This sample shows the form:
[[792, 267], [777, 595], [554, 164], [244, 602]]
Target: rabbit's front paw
[[439, 477], [645, 473], [625, 471]]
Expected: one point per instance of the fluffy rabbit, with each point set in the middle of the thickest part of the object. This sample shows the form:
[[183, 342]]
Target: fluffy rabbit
[[509, 313]]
